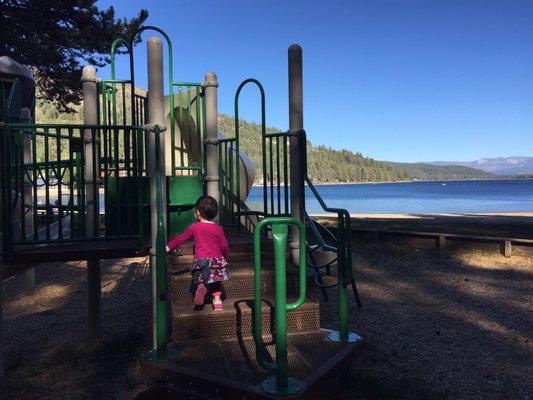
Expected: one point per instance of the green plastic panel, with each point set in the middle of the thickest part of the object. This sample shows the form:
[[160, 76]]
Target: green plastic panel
[[124, 219], [183, 191]]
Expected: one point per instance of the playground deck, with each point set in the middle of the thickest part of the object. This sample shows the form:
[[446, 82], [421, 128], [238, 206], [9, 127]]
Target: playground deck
[[27, 256], [229, 368]]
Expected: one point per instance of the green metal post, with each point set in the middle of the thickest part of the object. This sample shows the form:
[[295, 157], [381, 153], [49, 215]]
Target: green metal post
[[281, 384], [160, 257], [279, 238], [343, 298]]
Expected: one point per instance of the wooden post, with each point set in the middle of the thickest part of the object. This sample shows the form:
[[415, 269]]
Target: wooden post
[[90, 139], [441, 242], [506, 248]]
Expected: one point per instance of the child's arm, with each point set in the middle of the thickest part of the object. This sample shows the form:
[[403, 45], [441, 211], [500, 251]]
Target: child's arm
[[180, 239], [224, 248]]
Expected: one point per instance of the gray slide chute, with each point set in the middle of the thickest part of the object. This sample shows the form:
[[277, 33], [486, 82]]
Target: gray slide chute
[[186, 141], [246, 170]]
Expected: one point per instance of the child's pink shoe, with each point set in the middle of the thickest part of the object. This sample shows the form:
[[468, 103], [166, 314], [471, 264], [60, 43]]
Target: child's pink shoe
[[199, 296], [217, 303]]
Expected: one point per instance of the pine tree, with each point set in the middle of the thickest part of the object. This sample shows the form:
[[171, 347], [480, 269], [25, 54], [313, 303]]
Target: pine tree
[[56, 38]]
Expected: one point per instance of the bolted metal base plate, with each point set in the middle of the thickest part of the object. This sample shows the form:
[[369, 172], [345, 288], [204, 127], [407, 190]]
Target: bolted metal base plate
[[293, 386], [352, 337], [156, 356]]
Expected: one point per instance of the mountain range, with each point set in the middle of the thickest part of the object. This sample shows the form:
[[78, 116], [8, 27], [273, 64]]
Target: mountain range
[[517, 165]]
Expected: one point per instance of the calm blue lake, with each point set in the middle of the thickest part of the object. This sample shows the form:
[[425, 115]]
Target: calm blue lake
[[421, 197]]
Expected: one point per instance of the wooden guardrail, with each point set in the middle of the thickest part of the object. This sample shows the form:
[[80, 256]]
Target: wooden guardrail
[[441, 239]]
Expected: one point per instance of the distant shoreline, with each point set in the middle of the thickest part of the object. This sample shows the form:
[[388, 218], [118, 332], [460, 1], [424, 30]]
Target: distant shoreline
[[528, 214], [411, 181]]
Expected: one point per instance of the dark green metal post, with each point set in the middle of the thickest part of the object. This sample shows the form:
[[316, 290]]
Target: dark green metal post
[[280, 233], [281, 384], [341, 271], [161, 316]]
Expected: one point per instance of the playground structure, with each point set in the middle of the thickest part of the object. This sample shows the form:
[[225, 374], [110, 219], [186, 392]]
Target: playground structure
[[127, 178]]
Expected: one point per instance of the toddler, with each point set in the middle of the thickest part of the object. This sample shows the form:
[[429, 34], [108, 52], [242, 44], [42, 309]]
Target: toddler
[[209, 268]]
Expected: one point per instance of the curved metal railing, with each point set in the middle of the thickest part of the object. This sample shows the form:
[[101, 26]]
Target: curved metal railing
[[342, 247]]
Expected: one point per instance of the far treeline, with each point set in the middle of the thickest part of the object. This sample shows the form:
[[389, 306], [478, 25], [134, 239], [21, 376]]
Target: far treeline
[[324, 163]]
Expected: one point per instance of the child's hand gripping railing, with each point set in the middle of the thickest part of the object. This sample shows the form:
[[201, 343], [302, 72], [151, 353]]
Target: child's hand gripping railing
[[280, 384]]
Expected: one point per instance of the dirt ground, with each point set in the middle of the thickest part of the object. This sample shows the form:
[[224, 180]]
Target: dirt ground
[[442, 325], [437, 325]]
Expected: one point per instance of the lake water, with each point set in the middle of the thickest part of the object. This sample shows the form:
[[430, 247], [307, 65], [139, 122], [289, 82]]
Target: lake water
[[411, 197], [421, 197]]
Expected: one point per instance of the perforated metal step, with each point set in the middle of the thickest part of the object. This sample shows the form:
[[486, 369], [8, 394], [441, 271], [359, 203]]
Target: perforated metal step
[[239, 285], [238, 244], [235, 320], [187, 259]]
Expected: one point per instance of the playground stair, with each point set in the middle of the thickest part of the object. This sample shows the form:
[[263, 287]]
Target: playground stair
[[215, 351]]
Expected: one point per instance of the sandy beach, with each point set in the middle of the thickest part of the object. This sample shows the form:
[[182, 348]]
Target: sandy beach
[[505, 224]]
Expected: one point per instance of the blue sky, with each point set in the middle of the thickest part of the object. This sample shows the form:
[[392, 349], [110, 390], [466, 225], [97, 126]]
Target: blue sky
[[396, 80]]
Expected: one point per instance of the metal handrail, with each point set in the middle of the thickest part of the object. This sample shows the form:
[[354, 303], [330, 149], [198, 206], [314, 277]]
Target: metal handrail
[[237, 139], [343, 249], [280, 231]]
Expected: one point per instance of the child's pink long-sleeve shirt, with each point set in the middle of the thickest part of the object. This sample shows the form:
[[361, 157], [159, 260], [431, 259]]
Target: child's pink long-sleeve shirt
[[209, 240]]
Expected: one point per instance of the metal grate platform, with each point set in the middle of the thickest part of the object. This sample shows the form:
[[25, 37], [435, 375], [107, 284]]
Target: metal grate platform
[[227, 367]]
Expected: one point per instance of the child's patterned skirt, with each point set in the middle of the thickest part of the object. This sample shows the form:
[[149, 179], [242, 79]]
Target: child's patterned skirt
[[207, 271]]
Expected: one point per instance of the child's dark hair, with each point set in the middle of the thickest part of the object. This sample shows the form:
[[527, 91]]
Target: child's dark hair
[[207, 206]]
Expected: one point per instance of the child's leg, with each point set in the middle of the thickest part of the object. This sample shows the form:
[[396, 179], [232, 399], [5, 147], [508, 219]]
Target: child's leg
[[198, 289], [199, 296]]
